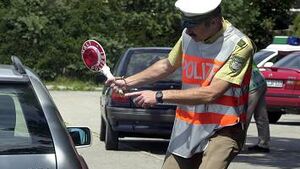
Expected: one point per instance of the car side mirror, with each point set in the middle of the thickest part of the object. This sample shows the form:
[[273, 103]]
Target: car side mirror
[[268, 64], [81, 136]]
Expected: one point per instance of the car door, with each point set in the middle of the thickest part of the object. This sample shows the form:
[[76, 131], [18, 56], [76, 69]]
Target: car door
[[25, 139]]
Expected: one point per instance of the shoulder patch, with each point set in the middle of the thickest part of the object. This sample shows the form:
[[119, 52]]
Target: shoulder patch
[[241, 43], [236, 63]]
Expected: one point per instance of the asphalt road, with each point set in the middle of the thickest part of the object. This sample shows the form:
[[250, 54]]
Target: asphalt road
[[82, 109]]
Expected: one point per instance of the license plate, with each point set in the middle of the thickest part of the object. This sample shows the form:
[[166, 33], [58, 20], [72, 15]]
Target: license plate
[[274, 83]]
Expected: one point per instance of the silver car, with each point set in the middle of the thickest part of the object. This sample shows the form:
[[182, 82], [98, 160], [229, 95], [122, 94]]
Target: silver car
[[32, 132]]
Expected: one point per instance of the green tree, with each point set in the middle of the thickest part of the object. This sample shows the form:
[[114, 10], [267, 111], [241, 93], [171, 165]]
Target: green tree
[[48, 34], [30, 30], [259, 18], [149, 22], [296, 27]]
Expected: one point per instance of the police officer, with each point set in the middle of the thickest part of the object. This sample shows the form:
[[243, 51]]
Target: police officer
[[215, 57], [257, 106]]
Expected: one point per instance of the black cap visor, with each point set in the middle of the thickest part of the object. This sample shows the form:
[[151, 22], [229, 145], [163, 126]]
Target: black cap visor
[[189, 22]]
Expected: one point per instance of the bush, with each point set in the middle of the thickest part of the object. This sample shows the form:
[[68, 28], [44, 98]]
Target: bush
[[47, 34]]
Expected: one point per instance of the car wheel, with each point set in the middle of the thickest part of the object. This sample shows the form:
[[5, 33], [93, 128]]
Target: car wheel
[[274, 117], [102, 130], [111, 139]]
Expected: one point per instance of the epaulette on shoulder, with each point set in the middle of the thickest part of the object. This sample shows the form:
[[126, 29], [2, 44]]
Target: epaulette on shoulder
[[242, 43]]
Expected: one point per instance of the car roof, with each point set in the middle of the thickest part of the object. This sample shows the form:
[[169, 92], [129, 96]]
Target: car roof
[[283, 47], [9, 73], [16, 72], [268, 49]]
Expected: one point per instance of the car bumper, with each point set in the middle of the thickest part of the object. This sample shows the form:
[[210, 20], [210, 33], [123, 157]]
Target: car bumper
[[283, 103], [143, 121]]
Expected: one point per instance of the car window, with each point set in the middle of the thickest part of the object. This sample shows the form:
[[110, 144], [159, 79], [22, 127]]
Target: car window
[[289, 61], [261, 55], [23, 126], [140, 60]]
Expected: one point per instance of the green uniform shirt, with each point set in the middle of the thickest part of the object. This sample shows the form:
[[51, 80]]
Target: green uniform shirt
[[257, 79]]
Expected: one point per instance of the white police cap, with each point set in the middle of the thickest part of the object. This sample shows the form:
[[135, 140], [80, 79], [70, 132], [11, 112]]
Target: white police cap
[[196, 7]]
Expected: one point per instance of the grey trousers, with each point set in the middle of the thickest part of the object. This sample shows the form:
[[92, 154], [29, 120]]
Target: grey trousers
[[257, 107]]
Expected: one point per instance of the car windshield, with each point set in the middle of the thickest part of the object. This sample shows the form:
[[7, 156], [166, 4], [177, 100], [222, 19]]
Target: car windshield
[[261, 55], [290, 61], [140, 60], [23, 126]]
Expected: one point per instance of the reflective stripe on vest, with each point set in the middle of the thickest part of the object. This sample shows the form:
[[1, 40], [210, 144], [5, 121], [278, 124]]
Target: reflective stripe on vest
[[195, 124], [200, 63]]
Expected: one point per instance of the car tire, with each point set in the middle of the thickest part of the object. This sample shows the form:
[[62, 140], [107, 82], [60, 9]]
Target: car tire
[[274, 117], [111, 139], [102, 130]]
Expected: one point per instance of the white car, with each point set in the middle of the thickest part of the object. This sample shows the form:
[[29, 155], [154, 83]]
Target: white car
[[272, 53], [263, 56]]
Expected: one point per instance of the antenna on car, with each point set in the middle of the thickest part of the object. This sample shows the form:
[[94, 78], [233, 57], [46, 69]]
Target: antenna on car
[[18, 64]]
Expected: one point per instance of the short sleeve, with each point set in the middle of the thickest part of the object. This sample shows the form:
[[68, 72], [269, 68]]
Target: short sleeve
[[235, 68], [175, 56]]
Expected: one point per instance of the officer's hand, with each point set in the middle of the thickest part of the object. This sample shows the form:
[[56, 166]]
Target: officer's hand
[[144, 98], [118, 84]]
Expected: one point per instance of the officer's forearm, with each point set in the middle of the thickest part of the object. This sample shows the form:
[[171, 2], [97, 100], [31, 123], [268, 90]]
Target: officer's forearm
[[157, 71], [199, 95], [188, 96]]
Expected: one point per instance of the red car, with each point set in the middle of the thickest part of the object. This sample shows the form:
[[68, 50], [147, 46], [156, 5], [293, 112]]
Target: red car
[[283, 81]]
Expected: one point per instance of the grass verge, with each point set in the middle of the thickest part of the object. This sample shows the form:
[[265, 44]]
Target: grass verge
[[64, 83]]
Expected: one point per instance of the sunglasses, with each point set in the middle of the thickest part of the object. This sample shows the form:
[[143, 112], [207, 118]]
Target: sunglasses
[[192, 21]]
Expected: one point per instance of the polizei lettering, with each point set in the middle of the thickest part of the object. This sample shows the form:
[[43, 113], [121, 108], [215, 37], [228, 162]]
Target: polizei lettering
[[196, 70]]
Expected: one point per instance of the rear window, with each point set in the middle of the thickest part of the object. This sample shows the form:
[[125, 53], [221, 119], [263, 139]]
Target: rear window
[[23, 127], [289, 61], [140, 60]]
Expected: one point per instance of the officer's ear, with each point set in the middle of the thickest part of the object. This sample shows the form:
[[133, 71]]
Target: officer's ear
[[209, 23], [214, 22]]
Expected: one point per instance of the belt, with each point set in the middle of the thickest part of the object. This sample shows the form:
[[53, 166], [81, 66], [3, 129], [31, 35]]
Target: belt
[[231, 130]]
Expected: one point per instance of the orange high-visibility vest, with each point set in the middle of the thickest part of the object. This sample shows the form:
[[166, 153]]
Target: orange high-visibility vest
[[200, 62]]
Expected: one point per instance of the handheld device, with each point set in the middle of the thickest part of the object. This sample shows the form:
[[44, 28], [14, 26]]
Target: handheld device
[[94, 58]]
